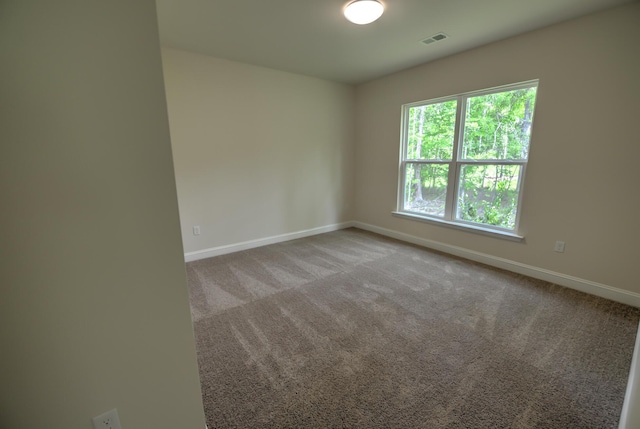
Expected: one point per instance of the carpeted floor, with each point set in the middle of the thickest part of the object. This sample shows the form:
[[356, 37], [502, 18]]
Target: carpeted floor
[[354, 330]]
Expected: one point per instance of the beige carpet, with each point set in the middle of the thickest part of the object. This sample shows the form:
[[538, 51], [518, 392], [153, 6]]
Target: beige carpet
[[353, 330]]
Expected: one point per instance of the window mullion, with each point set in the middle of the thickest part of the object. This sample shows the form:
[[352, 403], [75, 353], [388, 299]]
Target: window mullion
[[523, 170], [454, 168]]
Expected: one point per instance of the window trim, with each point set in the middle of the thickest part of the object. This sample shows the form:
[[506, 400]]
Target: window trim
[[456, 163], [468, 227]]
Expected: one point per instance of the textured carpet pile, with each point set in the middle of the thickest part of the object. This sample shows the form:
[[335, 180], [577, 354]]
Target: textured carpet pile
[[354, 330]]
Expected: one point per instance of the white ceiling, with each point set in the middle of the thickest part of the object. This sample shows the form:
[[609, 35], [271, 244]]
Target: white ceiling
[[312, 37]]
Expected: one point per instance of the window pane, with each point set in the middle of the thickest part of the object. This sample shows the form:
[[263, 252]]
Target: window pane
[[498, 126], [430, 131], [426, 188], [488, 194]]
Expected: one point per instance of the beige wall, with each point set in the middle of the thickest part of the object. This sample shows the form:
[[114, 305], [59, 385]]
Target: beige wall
[[257, 152], [582, 182], [93, 300]]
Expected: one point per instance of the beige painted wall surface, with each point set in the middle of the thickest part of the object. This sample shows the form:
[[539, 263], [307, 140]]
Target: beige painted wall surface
[[257, 152], [582, 183], [93, 309]]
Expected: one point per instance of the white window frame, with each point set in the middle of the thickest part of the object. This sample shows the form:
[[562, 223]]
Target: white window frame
[[455, 165]]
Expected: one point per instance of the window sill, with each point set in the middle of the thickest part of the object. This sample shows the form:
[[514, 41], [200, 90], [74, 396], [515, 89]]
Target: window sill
[[462, 227]]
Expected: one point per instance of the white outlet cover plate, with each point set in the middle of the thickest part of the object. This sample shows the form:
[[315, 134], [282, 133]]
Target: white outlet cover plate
[[108, 420]]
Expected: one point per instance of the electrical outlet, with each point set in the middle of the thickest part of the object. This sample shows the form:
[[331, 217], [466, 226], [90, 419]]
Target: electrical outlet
[[196, 230], [108, 420], [559, 247]]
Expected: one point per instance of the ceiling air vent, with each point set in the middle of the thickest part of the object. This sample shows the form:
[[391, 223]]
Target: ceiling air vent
[[435, 38]]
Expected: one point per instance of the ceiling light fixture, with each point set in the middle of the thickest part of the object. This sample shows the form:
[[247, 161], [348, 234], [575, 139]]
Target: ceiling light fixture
[[363, 11]]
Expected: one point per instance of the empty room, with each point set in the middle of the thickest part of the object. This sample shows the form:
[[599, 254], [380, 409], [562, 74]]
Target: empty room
[[312, 132], [250, 214]]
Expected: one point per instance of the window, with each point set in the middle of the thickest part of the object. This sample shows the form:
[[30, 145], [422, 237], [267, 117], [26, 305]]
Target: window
[[464, 157]]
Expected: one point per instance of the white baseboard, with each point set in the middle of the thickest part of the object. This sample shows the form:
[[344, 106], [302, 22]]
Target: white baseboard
[[245, 245], [587, 286]]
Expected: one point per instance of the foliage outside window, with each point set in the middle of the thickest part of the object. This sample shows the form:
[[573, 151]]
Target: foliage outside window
[[464, 157]]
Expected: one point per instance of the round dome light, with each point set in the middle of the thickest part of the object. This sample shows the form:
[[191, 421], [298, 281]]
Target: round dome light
[[363, 11]]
